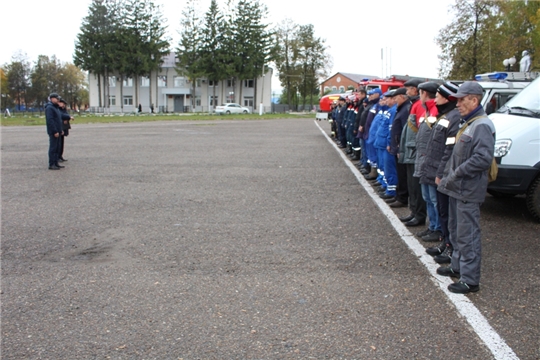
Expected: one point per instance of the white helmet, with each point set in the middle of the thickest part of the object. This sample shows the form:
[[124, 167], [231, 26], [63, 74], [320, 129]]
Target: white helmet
[[525, 52]]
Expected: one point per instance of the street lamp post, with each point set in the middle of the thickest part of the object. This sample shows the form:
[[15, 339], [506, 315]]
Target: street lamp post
[[508, 63]]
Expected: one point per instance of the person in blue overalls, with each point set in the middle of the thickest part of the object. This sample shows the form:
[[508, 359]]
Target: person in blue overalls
[[384, 139], [374, 99]]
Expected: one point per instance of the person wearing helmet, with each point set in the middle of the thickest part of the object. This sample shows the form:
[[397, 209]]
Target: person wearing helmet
[[525, 63]]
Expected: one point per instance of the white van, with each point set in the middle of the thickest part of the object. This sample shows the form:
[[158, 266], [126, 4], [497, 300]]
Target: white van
[[517, 147], [499, 87]]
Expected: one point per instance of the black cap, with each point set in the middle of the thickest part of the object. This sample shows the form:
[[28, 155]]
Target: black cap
[[429, 86], [62, 101], [413, 82], [400, 91], [468, 88], [54, 95], [341, 98]]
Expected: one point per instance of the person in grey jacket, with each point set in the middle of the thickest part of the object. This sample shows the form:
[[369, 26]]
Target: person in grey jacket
[[465, 181]]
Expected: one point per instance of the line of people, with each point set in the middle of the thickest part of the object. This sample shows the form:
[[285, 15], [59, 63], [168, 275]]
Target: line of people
[[428, 147], [58, 123]]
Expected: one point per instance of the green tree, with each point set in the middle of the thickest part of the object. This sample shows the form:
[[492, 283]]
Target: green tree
[[18, 78], [214, 62], [312, 61], [4, 91], [251, 41], [286, 57], [465, 41], [145, 33], [189, 47], [93, 45]]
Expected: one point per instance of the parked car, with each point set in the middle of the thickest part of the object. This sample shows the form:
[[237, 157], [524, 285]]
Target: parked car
[[232, 108], [517, 148]]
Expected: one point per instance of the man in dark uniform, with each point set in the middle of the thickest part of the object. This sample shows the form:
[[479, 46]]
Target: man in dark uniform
[[54, 129], [465, 181]]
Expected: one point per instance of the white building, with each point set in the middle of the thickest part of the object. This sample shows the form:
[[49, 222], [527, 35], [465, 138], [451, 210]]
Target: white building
[[167, 91]]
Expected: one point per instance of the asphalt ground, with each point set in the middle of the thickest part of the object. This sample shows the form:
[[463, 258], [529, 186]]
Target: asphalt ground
[[233, 240]]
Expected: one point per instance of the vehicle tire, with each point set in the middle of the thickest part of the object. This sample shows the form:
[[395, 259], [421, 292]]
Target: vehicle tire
[[499, 195], [245, 111], [533, 199], [228, 112]]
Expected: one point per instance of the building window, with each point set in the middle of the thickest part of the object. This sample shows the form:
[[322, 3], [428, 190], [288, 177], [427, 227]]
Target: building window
[[213, 101], [162, 81], [326, 88], [248, 83], [112, 81], [230, 83], [145, 81], [179, 82], [128, 82], [248, 101], [197, 101], [342, 88], [334, 88], [212, 83], [128, 100], [112, 100]]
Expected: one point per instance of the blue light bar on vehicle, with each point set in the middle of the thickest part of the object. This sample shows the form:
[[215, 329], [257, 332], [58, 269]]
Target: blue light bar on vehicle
[[494, 76]]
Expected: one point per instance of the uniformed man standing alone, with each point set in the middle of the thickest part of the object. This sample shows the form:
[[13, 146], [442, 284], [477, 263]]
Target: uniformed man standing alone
[[465, 181], [54, 129]]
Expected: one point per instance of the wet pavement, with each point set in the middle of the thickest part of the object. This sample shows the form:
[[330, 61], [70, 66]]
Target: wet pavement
[[233, 240]]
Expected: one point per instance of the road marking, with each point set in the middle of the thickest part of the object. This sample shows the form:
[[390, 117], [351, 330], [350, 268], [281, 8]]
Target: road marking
[[494, 342]]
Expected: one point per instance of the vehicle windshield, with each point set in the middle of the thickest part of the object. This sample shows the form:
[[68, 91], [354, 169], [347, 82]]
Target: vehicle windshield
[[528, 98]]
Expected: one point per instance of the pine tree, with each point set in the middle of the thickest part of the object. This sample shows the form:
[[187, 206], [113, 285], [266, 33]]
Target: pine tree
[[214, 62], [189, 46], [92, 48]]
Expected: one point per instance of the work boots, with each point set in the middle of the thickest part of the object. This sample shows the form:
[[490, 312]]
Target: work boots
[[372, 174], [356, 155]]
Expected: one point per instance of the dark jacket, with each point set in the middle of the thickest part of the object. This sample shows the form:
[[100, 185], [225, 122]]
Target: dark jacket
[[466, 173], [358, 110], [342, 110], [65, 117], [437, 152], [373, 110], [423, 135], [53, 119], [400, 121], [407, 144]]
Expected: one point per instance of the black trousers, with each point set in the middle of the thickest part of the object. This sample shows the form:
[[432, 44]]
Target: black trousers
[[442, 207], [416, 201], [54, 147], [402, 191], [61, 147]]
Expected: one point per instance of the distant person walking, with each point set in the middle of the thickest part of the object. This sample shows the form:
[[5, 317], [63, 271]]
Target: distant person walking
[[54, 129]]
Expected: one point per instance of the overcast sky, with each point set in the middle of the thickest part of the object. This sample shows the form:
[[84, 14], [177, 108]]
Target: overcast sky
[[355, 31]]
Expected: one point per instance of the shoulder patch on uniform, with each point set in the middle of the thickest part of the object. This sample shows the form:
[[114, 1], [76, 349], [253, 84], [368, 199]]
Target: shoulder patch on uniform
[[444, 123], [450, 141]]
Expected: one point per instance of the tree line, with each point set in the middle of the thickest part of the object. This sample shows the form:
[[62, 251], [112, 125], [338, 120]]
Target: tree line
[[27, 85], [484, 33]]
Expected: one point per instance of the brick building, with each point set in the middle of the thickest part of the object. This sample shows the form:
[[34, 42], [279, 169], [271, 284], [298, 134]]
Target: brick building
[[340, 82]]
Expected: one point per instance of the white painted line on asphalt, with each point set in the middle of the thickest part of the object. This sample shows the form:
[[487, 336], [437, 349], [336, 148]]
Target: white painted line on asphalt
[[494, 342]]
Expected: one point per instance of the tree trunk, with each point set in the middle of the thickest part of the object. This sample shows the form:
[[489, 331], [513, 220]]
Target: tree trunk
[[122, 93], [99, 89]]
